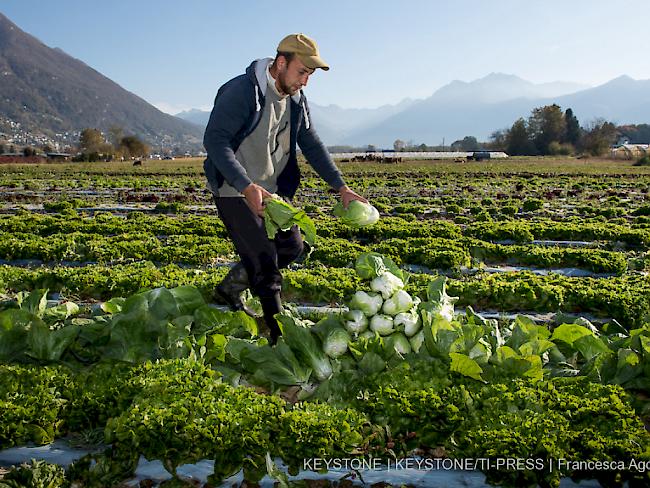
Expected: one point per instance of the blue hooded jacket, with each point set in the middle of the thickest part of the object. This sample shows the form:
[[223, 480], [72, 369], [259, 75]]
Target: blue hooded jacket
[[237, 110]]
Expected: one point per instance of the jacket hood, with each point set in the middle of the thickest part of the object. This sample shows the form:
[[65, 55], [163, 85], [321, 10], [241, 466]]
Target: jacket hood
[[256, 71]]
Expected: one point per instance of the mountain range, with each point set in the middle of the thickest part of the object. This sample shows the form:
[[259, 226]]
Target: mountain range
[[467, 111], [475, 108], [45, 90]]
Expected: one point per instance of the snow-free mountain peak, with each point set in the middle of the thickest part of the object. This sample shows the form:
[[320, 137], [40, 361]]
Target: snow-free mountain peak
[[49, 92]]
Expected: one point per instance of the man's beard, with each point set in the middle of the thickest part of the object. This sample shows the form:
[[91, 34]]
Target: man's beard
[[286, 89]]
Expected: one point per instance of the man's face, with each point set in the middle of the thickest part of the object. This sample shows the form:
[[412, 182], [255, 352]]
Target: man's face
[[293, 76]]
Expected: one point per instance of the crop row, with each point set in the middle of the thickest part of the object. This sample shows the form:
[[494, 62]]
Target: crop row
[[532, 172], [388, 227], [480, 208], [461, 210], [625, 298], [83, 248], [445, 254], [105, 223], [434, 253]]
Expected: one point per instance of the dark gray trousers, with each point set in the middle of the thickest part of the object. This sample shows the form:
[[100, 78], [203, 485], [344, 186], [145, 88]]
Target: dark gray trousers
[[262, 257]]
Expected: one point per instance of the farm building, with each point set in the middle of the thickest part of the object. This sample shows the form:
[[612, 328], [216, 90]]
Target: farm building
[[54, 156], [630, 151]]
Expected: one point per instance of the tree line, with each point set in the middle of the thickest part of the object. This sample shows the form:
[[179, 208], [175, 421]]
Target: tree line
[[547, 131], [94, 147], [550, 131]]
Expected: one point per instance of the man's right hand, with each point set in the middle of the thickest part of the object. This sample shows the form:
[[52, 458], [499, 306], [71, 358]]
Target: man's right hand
[[255, 196]]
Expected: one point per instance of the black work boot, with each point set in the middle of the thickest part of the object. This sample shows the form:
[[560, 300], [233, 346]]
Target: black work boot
[[272, 305], [229, 291]]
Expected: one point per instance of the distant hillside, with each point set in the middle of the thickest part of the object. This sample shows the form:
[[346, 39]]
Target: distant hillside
[[46, 90], [195, 116], [333, 123], [622, 100]]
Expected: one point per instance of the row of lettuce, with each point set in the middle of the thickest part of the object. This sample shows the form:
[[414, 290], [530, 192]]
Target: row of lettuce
[[465, 187], [107, 224], [438, 245], [430, 252], [412, 176], [469, 387], [623, 298], [172, 323], [461, 211]]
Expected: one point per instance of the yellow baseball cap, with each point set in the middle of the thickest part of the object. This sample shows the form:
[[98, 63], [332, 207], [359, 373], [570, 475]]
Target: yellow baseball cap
[[305, 48]]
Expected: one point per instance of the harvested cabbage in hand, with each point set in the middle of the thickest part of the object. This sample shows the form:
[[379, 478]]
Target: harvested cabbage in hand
[[358, 214], [279, 215]]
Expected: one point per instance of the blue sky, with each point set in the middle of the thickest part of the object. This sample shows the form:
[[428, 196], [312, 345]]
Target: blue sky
[[175, 54]]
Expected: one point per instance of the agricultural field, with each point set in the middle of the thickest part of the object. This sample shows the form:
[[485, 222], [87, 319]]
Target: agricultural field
[[108, 336]]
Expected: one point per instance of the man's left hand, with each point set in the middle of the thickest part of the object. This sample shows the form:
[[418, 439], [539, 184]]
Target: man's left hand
[[348, 195]]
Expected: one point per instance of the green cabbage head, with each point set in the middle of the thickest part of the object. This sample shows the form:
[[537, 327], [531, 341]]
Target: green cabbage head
[[358, 214]]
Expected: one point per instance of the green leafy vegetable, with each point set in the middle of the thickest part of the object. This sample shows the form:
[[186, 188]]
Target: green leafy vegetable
[[386, 284], [398, 303], [279, 215], [356, 322], [382, 324], [370, 265], [358, 214], [368, 303], [305, 345], [336, 342]]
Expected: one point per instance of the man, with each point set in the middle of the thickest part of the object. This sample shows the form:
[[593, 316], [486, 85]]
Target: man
[[257, 120]]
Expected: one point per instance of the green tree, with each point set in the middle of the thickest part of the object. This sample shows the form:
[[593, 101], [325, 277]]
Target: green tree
[[399, 145], [132, 146], [498, 140], [91, 141], [573, 131], [468, 143], [545, 125], [115, 135], [2, 148], [598, 137], [518, 142]]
